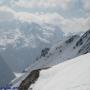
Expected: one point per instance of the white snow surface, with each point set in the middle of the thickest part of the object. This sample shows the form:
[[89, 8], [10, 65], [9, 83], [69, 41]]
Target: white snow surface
[[70, 75]]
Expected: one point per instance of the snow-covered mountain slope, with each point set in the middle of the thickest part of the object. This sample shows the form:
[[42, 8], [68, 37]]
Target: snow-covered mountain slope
[[69, 48], [61, 52], [52, 58], [83, 43], [6, 74], [22, 42], [70, 75]]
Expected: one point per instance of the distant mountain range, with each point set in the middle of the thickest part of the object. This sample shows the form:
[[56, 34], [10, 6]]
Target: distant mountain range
[[22, 42]]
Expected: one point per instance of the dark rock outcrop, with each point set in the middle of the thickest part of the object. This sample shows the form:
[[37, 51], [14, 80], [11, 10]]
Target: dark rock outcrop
[[71, 39], [30, 79], [44, 52]]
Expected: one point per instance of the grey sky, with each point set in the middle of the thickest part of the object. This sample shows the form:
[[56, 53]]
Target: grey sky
[[70, 15]]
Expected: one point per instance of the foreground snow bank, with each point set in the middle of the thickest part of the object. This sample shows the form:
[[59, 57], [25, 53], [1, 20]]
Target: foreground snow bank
[[70, 75]]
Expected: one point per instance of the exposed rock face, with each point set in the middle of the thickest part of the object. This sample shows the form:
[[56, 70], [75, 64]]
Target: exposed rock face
[[30, 79], [44, 52], [84, 43], [71, 39]]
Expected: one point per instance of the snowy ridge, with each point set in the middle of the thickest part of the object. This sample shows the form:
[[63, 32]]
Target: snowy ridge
[[65, 50], [70, 75]]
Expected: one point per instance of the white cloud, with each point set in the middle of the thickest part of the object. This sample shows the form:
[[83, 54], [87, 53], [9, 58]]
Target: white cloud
[[86, 5], [43, 3], [67, 24], [76, 24], [6, 8], [6, 13], [39, 17]]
